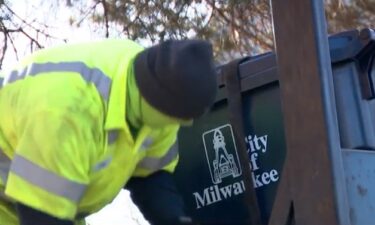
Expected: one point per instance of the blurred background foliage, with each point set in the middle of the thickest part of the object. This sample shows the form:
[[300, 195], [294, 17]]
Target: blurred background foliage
[[235, 27]]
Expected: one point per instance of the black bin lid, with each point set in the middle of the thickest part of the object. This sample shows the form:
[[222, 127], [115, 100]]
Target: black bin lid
[[351, 44]]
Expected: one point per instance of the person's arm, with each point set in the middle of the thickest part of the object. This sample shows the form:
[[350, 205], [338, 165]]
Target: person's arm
[[49, 171], [29, 216], [157, 198]]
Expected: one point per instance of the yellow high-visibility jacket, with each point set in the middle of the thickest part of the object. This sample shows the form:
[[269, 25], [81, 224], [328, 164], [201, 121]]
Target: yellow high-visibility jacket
[[65, 146]]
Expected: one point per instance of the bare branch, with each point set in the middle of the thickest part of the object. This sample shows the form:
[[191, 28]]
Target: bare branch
[[5, 45], [104, 4], [69, 3], [33, 40], [236, 26], [13, 46], [88, 13], [28, 24]]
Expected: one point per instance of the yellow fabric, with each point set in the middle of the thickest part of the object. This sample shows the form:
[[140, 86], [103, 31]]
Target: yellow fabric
[[7, 213], [166, 137], [60, 123], [144, 114], [159, 119]]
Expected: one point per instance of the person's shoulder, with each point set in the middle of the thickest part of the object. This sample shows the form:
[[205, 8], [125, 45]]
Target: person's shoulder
[[87, 46], [110, 41]]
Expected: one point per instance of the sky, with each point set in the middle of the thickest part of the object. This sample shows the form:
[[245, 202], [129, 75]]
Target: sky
[[40, 12], [121, 211]]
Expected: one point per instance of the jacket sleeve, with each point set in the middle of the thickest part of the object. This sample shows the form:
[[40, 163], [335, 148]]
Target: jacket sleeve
[[157, 198], [56, 139], [160, 154], [49, 170]]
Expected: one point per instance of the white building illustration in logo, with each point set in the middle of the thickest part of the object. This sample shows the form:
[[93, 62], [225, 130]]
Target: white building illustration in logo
[[221, 163]]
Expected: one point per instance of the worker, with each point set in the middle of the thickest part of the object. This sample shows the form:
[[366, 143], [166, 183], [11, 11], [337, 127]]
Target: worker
[[79, 122]]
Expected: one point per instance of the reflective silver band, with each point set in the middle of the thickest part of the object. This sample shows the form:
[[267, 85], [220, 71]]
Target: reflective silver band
[[154, 164], [47, 180], [94, 75], [146, 143], [112, 136], [4, 166], [103, 164]]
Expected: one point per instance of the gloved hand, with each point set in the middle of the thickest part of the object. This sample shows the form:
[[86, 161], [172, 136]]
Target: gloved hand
[[29, 216], [185, 220], [157, 198]]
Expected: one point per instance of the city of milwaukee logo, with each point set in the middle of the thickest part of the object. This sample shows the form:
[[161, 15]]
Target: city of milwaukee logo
[[221, 163], [224, 165]]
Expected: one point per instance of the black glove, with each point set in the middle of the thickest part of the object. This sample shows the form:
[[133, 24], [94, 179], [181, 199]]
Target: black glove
[[29, 216], [157, 198]]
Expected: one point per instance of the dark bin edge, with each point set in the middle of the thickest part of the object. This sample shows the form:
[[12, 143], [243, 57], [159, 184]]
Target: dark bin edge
[[348, 45], [254, 72]]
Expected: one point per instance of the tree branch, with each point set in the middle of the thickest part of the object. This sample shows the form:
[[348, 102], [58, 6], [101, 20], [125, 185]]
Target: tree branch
[[28, 24], [5, 44], [92, 8], [104, 4], [235, 25], [13, 46], [31, 38]]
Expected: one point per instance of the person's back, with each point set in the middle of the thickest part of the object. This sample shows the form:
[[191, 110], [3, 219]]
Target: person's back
[[68, 140], [48, 93]]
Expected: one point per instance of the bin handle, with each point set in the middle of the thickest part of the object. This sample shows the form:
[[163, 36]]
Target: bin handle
[[365, 60]]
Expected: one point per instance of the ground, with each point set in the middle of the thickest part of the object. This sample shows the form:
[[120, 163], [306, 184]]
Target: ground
[[121, 211]]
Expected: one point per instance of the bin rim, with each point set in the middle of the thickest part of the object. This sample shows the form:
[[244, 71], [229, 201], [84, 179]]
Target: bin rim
[[349, 45]]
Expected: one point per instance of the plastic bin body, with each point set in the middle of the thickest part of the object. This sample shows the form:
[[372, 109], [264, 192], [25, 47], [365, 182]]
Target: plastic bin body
[[209, 174], [353, 76], [213, 188], [353, 67]]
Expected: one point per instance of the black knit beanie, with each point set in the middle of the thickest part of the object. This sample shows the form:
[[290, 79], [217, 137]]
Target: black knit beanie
[[177, 77]]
